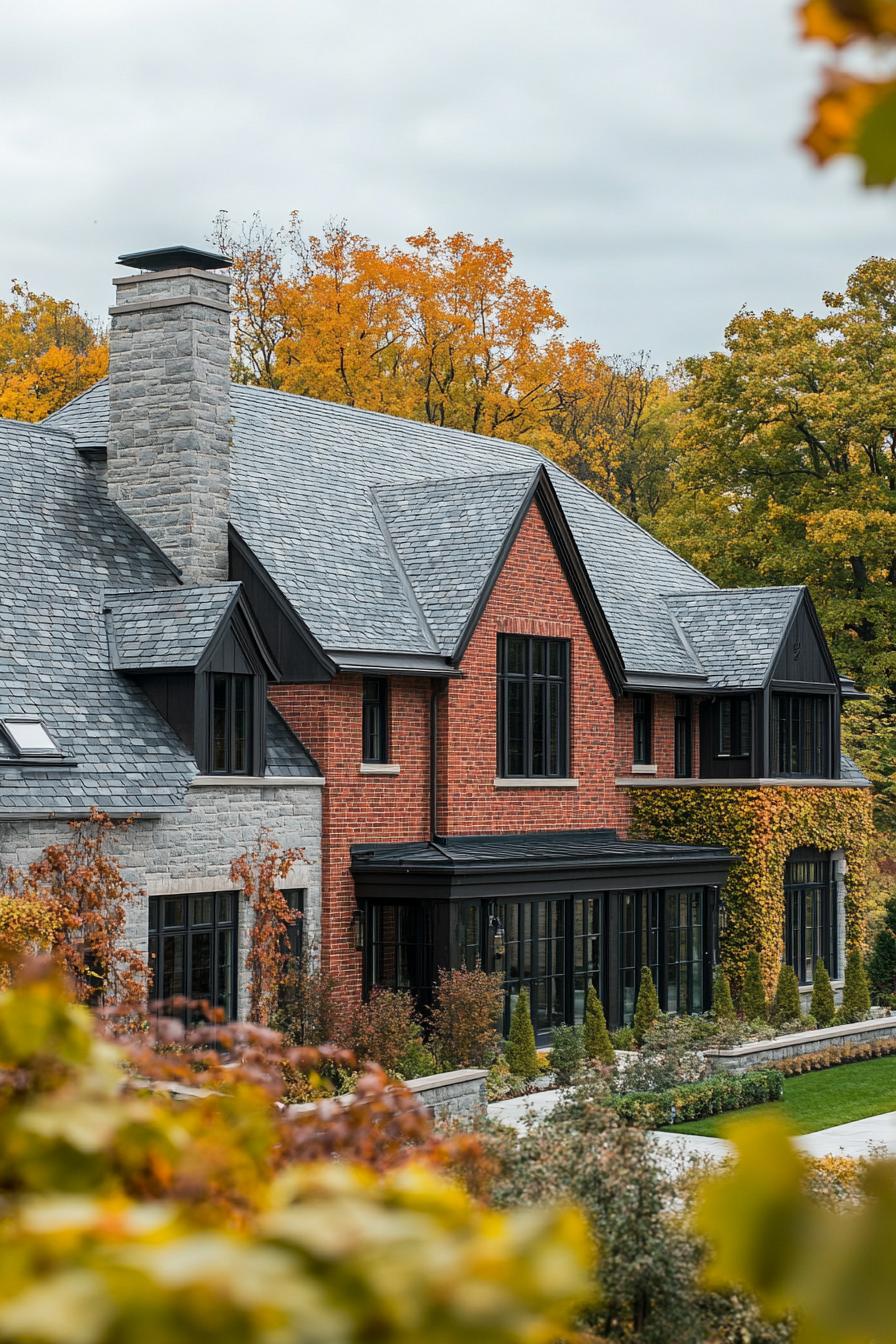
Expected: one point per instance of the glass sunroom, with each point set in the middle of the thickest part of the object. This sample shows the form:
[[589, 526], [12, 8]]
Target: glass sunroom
[[551, 912]]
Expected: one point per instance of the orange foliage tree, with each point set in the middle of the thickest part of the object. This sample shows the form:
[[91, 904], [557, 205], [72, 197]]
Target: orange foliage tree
[[49, 352], [258, 871], [87, 896], [439, 330]]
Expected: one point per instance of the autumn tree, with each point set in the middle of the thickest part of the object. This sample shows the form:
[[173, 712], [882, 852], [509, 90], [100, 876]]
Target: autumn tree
[[442, 330], [49, 352]]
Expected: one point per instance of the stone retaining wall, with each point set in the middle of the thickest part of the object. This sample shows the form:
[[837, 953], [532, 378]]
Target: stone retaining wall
[[458, 1095], [741, 1058]]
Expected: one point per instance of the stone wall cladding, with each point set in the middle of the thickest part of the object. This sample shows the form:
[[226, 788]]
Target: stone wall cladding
[[745, 1057], [169, 415], [192, 851]]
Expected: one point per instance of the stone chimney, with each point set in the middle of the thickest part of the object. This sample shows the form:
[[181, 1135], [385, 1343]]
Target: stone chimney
[[169, 449]]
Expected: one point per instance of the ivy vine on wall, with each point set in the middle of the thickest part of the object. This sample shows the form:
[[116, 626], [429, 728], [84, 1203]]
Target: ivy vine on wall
[[762, 827]]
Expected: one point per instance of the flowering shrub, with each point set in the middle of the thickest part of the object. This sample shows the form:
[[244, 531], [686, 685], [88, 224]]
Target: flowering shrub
[[695, 1101], [465, 1018], [387, 1029]]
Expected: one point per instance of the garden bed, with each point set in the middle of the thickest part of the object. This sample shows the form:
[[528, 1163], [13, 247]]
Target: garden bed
[[821, 1100], [756, 1054]]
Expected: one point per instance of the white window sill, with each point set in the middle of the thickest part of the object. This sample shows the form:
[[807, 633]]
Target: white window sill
[[643, 769], [378, 768], [537, 782], [257, 782]]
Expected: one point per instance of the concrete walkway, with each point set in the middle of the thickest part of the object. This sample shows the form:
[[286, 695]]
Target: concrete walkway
[[876, 1134]]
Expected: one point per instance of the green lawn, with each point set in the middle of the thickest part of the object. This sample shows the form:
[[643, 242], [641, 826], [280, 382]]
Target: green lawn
[[819, 1100]]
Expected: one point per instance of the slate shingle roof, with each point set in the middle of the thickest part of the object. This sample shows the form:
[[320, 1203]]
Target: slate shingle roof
[[735, 632], [63, 546], [446, 535], [305, 480], [172, 628]]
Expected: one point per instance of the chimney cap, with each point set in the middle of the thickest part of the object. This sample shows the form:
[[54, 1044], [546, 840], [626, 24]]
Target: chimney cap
[[175, 257]]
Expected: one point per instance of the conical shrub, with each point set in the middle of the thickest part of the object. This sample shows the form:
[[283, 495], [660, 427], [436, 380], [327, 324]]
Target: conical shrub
[[722, 1002], [752, 995], [595, 1037], [647, 1008], [823, 1008], [519, 1050], [786, 1006], [882, 962], [856, 995]]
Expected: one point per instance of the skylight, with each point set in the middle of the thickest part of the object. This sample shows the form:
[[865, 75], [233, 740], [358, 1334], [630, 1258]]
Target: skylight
[[30, 737]]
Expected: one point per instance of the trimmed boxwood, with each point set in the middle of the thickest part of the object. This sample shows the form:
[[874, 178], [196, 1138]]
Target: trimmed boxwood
[[695, 1101]]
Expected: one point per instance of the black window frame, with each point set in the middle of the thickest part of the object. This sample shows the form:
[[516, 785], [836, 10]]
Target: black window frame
[[811, 915], [683, 743], [231, 683], [534, 690], [738, 711], [222, 927], [642, 729], [398, 948], [375, 720], [801, 735]]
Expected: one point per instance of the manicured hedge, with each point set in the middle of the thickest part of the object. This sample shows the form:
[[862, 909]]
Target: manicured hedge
[[694, 1101]]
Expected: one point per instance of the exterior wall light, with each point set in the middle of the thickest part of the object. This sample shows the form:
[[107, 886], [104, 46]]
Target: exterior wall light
[[358, 930], [497, 930]]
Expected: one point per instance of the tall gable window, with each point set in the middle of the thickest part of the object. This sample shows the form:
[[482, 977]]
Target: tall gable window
[[733, 725], [684, 738], [642, 729], [533, 707], [375, 721], [230, 722], [801, 735]]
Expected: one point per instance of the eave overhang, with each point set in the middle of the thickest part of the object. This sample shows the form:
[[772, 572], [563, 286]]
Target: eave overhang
[[538, 866]]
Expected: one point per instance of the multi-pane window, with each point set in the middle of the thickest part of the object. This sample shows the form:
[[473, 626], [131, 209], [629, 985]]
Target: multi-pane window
[[733, 723], [533, 707], [468, 934], [801, 735], [587, 943], [192, 948], [810, 915], [375, 720], [683, 738], [400, 947], [642, 729], [532, 944], [684, 950], [295, 899], [231, 724], [638, 916]]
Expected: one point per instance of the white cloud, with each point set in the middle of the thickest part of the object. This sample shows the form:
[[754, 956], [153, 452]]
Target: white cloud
[[640, 158]]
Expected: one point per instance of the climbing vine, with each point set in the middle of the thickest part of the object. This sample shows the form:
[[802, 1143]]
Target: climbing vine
[[762, 827], [258, 871]]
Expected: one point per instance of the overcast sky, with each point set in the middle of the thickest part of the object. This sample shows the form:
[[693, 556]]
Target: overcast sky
[[638, 156]]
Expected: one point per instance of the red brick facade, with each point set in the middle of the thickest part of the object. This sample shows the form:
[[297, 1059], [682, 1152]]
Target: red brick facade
[[530, 596]]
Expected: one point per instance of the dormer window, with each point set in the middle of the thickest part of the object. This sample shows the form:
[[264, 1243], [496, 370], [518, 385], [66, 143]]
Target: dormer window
[[30, 738], [230, 721]]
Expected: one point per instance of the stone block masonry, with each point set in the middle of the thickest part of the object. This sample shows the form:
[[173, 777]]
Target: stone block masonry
[[192, 851], [169, 414], [757, 1054]]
